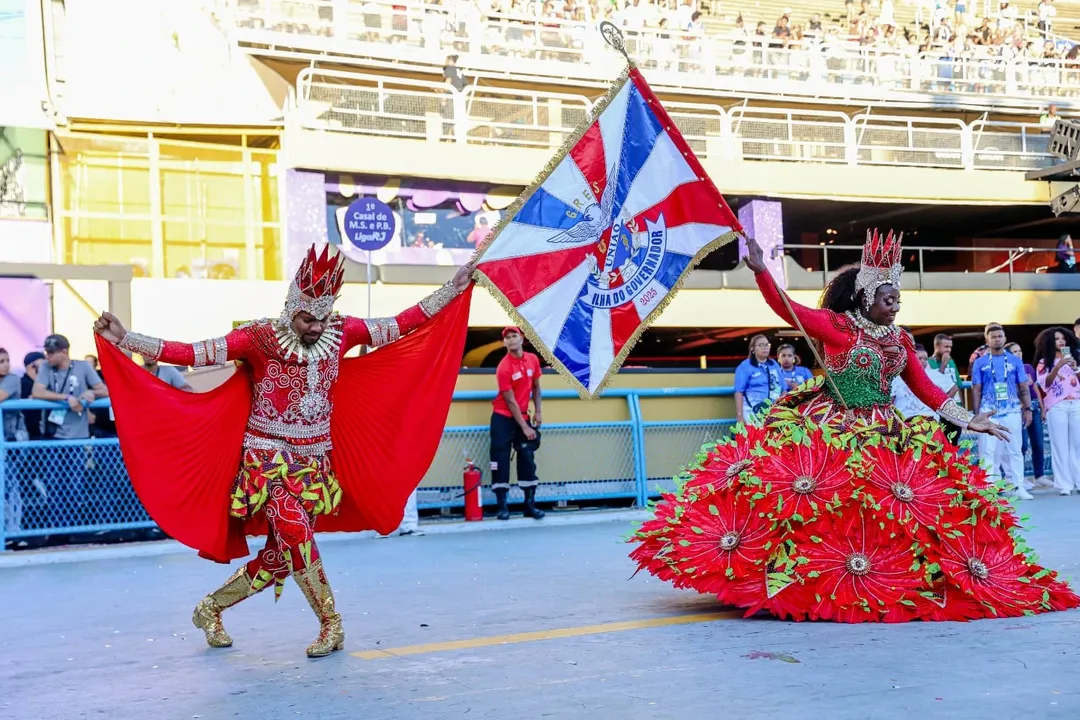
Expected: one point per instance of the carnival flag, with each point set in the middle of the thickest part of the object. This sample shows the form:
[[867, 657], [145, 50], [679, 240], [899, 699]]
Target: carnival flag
[[590, 254]]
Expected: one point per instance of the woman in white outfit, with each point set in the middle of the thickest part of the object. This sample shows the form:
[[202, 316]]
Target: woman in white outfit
[[1056, 352]]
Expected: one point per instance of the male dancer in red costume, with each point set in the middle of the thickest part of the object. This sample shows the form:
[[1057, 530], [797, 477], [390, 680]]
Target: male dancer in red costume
[[291, 427]]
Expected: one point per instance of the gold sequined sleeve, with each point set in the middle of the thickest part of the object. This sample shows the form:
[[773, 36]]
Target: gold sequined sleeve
[[952, 411], [377, 332], [439, 299]]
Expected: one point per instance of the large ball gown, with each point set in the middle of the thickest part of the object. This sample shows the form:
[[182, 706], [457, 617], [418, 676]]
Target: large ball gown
[[850, 515]]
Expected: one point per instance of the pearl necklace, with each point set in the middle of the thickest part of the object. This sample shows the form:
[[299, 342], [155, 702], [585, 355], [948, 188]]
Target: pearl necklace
[[870, 327]]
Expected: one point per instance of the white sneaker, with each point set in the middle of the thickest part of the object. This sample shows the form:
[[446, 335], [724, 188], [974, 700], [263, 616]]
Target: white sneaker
[[1022, 494], [1066, 493], [1043, 482], [1028, 485]]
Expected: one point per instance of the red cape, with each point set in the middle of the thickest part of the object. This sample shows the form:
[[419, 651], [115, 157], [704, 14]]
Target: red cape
[[183, 450]]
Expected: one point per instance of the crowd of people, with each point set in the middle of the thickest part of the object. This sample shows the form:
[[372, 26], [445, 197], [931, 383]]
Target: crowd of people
[[1038, 402], [64, 473], [943, 45]]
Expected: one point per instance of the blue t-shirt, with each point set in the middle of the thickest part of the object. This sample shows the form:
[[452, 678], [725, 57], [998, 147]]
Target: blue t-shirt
[[758, 382], [991, 371], [793, 378]]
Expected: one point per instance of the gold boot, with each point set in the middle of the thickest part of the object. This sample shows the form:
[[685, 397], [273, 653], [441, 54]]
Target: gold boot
[[207, 616], [312, 581]]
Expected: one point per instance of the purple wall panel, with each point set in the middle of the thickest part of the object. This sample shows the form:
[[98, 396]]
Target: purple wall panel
[[25, 317], [763, 221]]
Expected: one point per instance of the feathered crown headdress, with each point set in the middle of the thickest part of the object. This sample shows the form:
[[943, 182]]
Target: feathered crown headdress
[[316, 285], [880, 264]]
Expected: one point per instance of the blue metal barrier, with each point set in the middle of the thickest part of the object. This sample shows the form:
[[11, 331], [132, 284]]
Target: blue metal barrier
[[61, 487]]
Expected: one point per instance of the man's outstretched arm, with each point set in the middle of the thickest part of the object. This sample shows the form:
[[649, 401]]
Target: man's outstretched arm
[[216, 351], [381, 331]]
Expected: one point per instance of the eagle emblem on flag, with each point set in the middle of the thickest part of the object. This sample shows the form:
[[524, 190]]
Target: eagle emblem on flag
[[590, 254]]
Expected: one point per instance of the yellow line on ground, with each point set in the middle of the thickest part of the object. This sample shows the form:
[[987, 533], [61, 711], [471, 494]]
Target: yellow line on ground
[[545, 635]]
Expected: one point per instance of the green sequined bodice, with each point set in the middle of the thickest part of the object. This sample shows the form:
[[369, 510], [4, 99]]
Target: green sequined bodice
[[864, 372]]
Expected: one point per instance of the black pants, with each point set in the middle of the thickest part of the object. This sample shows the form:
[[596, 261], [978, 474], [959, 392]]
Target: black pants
[[506, 434]]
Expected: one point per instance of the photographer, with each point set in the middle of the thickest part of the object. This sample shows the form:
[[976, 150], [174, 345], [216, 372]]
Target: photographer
[[518, 378]]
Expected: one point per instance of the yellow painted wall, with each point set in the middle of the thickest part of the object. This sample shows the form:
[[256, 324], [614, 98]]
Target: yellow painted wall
[[166, 206], [195, 309], [519, 166]]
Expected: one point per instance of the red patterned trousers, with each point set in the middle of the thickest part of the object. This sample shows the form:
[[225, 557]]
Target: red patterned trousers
[[290, 541]]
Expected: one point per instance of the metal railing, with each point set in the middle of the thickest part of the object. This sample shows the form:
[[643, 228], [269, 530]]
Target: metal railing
[[68, 487], [375, 105], [81, 486], [834, 257], [517, 44]]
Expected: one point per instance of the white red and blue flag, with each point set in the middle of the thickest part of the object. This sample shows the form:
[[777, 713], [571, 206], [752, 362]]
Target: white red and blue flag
[[590, 254]]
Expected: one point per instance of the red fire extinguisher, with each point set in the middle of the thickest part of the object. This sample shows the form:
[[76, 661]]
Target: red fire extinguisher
[[474, 509]]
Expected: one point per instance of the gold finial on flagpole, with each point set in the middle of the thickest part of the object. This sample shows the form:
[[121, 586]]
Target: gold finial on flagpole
[[614, 37]]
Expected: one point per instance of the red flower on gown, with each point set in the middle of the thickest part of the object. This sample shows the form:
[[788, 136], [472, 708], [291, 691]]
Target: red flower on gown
[[721, 545], [728, 461], [981, 560], [804, 477], [906, 486], [654, 535], [859, 567]]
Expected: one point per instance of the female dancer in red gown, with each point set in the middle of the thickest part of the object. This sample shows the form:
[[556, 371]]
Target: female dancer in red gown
[[839, 508]]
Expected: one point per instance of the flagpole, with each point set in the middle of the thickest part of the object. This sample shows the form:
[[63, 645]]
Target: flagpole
[[800, 328], [614, 37]]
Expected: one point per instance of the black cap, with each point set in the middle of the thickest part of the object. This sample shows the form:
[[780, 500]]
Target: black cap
[[32, 357], [55, 343]]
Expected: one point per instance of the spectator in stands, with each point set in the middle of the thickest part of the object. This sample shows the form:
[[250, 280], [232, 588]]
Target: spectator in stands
[[757, 383], [167, 374], [1076, 327], [75, 384], [1056, 353], [14, 428], [32, 418], [1000, 388], [792, 375], [452, 74], [1046, 12], [92, 361], [1034, 434], [905, 400], [1065, 258], [942, 358], [458, 109]]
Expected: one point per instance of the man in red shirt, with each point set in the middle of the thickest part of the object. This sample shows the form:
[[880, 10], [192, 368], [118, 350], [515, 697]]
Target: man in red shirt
[[518, 377]]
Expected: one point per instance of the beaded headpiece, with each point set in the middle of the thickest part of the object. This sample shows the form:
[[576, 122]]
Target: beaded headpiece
[[316, 285], [880, 264]]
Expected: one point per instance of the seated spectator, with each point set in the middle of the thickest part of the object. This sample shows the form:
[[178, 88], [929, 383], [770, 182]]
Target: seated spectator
[[167, 374], [792, 375], [1065, 258]]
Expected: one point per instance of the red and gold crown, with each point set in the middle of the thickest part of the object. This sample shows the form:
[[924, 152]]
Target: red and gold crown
[[880, 264], [316, 285]]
